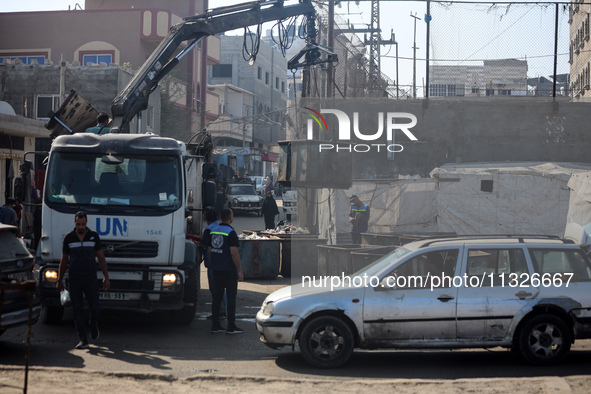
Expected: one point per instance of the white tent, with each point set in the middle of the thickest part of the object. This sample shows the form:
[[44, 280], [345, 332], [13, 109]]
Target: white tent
[[578, 220], [505, 198]]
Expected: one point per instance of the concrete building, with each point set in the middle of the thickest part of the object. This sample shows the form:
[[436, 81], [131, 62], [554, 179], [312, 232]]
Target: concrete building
[[234, 125], [114, 32], [17, 136], [33, 90], [580, 51], [266, 79], [505, 77]]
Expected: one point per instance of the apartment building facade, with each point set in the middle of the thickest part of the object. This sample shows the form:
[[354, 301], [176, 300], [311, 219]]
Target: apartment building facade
[[114, 33], [503, 77], [266, 79], [580, 50]]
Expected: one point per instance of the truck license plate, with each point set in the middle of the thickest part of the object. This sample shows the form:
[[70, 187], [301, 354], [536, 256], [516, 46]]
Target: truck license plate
[[113, 296]]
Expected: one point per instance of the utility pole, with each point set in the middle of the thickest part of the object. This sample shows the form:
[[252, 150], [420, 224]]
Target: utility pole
[[397, 81], [414, 58], [330, 34], [428, 20], [374, 41]]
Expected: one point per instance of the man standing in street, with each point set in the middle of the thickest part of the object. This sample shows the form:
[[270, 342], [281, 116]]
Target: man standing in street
[[211, 218], [81, 248], [358, 217], [102, 121], [227, 271], [269, 210]]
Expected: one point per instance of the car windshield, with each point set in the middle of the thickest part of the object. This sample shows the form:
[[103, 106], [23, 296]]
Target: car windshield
[[11, 249], [383, 262], [76, 179], [242, 190]]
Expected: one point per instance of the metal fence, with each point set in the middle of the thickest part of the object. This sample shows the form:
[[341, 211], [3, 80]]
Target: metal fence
[[476, 49]]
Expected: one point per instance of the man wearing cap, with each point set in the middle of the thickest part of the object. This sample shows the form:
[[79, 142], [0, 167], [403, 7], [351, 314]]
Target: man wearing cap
[[358, 217]]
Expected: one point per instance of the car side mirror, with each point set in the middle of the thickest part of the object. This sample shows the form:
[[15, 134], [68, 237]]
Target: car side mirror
[[387, 283]]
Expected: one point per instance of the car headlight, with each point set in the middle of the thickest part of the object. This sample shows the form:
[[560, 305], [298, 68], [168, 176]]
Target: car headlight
[[268, 308], [235, 201], [169, 280], [51, 276]]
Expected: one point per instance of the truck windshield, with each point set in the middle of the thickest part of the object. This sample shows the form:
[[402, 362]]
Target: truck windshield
[[139, 180]]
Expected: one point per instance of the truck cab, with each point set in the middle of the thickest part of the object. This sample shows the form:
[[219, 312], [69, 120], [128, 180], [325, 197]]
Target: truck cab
[[135, 193]]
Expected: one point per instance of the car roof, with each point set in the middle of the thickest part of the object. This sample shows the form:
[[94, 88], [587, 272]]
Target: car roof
[[7, 227], [540, 240]]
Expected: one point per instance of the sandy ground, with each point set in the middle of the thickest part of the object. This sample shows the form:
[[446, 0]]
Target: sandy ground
[[50, 380]]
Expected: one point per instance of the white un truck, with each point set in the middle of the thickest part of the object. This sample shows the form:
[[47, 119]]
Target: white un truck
[[143, 194], [137, 191]]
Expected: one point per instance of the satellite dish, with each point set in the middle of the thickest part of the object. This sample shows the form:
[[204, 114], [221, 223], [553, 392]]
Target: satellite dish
[[6, 109]]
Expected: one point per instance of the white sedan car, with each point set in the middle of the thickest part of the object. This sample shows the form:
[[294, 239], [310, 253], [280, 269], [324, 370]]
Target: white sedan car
[[532, 294]]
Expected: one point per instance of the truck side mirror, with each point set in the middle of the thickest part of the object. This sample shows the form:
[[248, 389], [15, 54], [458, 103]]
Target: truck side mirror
[[20, 189], [208, 189]]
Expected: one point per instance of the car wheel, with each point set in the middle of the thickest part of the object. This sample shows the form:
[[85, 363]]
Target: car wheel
[[51, 314], [544, 340], [186, 315], [326, 342]]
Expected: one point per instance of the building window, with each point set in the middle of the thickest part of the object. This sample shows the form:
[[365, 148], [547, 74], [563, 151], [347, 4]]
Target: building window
[[505, 92], [260, 73], [24, 59], [437, 90], [267, 77], [475, 90], [97, 59], [45, 104], [277, 83], [221, 70], [282, 86], [486, 186], [150, 117]]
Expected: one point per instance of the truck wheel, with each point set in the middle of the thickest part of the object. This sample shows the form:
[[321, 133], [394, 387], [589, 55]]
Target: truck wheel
[[544, 340], [326, 342], [51, 314], [186, 314]]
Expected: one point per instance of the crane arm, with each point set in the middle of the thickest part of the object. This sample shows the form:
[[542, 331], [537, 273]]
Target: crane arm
[[134, 97]]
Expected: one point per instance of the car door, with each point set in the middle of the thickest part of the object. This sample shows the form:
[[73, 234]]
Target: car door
[[494, 289], [410, 303]]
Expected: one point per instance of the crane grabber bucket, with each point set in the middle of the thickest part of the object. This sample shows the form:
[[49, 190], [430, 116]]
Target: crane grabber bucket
[[312, 53]]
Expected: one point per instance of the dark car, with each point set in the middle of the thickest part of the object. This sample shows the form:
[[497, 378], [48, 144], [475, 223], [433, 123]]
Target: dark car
[[16, 268]]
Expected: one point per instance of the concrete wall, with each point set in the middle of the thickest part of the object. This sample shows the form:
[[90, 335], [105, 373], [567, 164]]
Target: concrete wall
[[21, 84], [450, 131]]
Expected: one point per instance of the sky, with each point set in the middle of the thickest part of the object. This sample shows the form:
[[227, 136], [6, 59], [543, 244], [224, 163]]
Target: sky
[[463, 34], [37, 5]]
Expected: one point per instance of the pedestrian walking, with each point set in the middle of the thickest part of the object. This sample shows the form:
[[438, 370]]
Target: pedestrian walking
[[81, 249], [358, 218], [269, 210], [227, 271]]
